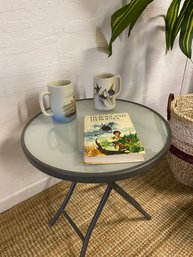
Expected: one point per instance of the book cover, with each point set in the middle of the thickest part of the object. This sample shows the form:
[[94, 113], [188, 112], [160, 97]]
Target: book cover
[[111, 138]]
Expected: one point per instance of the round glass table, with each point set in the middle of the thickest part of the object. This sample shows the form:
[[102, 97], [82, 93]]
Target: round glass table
[[57, 150]]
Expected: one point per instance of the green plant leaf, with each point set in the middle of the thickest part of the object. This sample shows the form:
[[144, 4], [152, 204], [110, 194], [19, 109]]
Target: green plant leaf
[[186, 33], [116, 16], [124, 17], [171, 18], [179, 20]]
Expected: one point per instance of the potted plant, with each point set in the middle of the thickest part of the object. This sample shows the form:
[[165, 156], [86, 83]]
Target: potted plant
[[178, 19]]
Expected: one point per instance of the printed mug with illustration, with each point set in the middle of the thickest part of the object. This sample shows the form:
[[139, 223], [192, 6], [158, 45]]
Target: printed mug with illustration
[[62, 101], [106, 88]]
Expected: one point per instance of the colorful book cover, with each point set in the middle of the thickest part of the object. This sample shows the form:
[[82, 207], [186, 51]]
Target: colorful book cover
[[111, 138]]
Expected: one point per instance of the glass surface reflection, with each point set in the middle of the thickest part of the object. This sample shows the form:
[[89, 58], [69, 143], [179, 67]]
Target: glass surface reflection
[[63, 137]]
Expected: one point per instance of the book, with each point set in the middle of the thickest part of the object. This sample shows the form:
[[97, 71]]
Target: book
[[111, 138]]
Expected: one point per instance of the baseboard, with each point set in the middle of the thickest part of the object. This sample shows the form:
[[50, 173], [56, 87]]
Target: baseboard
[[26, 192]]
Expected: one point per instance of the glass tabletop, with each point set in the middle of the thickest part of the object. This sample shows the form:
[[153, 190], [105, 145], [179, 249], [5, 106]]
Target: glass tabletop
[[57, 148]]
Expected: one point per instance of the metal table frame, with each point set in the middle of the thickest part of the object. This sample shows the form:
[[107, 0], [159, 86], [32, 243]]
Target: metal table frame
[[85, 239], [110, 180]]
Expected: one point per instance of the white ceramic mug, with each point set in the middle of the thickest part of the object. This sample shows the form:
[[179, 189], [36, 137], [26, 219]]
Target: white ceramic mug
[[106, 88], [62, 101]]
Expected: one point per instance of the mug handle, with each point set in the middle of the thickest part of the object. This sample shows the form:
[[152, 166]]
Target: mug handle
[[120, 84], [41, 102]]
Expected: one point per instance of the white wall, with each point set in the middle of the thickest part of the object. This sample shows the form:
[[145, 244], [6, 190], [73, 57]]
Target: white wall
[[58, 39]]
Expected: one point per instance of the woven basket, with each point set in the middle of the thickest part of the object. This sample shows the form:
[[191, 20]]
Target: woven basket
[[180, 156]]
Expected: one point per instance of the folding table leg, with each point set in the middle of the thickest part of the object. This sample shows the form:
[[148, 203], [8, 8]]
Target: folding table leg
[[130, 199], [63, 205], [94, 220], [99, 209]]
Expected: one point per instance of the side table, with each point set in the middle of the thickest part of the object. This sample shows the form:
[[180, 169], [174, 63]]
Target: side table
[[57, 150]]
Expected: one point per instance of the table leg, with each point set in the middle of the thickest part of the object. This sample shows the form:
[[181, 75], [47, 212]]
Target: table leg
[[129, 199], [94, 220], [63, 205], [85, 239]]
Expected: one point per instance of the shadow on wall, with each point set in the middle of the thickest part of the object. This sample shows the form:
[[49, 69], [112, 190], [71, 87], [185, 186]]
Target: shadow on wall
[[124, 61], [154, 37], [101, 41], [132, 59], [10, 149], [127, 59], [17, 174], [31, 108], [131, 66], [11, 153], [191, 83], [136, 59]]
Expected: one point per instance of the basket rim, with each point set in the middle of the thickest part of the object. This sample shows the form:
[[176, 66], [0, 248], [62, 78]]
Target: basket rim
[[174, 107]]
